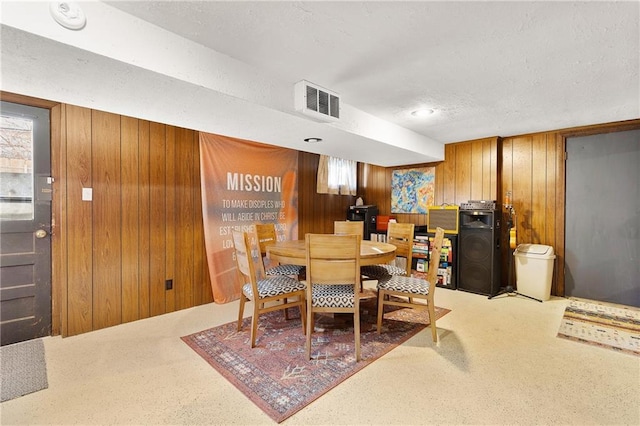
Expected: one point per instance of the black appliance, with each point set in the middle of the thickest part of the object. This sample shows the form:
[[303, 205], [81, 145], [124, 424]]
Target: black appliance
[[479, 251], [366, 214]]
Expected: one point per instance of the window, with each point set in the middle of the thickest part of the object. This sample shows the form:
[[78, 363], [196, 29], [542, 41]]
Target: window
[[16, 168], [337, 176]]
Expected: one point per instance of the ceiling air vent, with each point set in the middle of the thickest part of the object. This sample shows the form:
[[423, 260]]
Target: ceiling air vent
[[316, 102]]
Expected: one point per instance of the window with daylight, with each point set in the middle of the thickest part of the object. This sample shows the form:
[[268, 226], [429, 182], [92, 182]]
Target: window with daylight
[[337, 176], [16, 168]]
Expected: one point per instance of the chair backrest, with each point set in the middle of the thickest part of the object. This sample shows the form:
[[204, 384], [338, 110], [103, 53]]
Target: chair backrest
[[266, 235], [333, 259], [401, 236], [244, 259], [434, 261], [346, 227]]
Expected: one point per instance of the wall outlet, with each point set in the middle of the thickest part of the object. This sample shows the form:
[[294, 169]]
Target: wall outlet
[[168, 284]]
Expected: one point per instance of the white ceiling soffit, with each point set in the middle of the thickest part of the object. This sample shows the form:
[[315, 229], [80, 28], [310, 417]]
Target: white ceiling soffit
[[121, 64]]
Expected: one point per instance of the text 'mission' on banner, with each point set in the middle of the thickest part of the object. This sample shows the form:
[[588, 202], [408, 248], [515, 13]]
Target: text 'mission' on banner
[[243, 183]]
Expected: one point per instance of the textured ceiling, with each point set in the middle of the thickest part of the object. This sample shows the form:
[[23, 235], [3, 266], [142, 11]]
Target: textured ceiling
[[486, 68]]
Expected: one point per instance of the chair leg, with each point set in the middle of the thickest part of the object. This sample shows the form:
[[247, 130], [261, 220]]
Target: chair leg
[[380, 309], [309, 329], [432, 320], [303, 316], [254, 323], [356, 330], [241, 312], [286, 311]]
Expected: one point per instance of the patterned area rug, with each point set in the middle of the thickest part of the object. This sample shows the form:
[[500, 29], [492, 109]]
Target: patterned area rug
[[276, 375], [602, 324]]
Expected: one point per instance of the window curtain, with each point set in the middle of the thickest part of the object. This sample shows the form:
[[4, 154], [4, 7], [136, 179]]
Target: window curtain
[[337, 176]]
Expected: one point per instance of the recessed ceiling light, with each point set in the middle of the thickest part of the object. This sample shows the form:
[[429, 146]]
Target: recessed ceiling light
[[423, 112], [313, 140]]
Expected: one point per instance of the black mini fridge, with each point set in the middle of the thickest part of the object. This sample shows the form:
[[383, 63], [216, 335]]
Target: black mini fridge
[[367, 214]]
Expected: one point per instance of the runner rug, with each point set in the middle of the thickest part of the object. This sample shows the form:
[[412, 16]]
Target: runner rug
[[607, 325], [276, 375]]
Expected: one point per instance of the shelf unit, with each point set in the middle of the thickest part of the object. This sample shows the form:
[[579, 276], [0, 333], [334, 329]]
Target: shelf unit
[[447, 270]]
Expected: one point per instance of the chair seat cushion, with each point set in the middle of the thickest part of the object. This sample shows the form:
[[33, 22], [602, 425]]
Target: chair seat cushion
[[405, 284], [285, 270], [377, 272], [333, 296], [274, 286]]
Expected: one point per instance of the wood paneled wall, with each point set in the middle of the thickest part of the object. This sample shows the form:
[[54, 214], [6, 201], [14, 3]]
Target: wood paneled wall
[[113, 254], [533, 170], [470, 171]]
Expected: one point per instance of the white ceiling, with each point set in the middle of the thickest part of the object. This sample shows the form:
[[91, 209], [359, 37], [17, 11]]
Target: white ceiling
[[486, 68]]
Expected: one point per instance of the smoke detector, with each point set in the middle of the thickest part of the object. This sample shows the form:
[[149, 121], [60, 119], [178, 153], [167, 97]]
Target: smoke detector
[[316, 102], [68, 14]]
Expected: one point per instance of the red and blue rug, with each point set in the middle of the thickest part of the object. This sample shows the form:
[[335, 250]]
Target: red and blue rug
[[277, 376]]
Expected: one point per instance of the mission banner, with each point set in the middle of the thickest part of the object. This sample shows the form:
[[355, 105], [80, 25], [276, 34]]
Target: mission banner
[[243, 183]]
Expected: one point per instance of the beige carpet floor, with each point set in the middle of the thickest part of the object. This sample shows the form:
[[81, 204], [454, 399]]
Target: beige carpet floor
[[497, 362]]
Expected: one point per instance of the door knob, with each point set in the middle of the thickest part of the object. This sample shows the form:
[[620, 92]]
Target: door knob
[[41, 233]]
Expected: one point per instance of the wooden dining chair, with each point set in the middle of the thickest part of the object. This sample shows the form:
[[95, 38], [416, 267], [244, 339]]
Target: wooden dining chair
[[268, 294], [410, 292], [401, 236], [333, 280], [346, 227], [266, 235]]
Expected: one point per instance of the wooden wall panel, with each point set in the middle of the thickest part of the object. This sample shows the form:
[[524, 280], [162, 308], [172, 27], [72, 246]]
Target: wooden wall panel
[[107, 225], [170, 215], [157, 226], [186, 186], [448, 176], [144, 218], [522, 187], [79, 288], [130, 175], [538, 189], [201, 279], [477, 171]]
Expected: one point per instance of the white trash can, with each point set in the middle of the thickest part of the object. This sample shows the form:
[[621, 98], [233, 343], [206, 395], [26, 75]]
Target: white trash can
[[534, 270]]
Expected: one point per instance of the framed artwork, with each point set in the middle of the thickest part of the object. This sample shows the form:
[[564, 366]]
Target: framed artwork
[[412, 190]]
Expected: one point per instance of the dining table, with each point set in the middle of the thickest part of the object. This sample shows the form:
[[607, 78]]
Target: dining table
[[294, 252]]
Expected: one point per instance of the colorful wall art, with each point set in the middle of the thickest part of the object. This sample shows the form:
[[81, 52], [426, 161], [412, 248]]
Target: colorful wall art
[[412, 190]]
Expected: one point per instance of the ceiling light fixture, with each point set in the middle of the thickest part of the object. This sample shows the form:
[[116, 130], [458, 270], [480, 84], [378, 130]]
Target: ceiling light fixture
[[313, 140], [423, 112]]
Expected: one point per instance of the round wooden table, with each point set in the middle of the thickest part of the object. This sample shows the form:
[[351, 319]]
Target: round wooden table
[[294, 252]]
